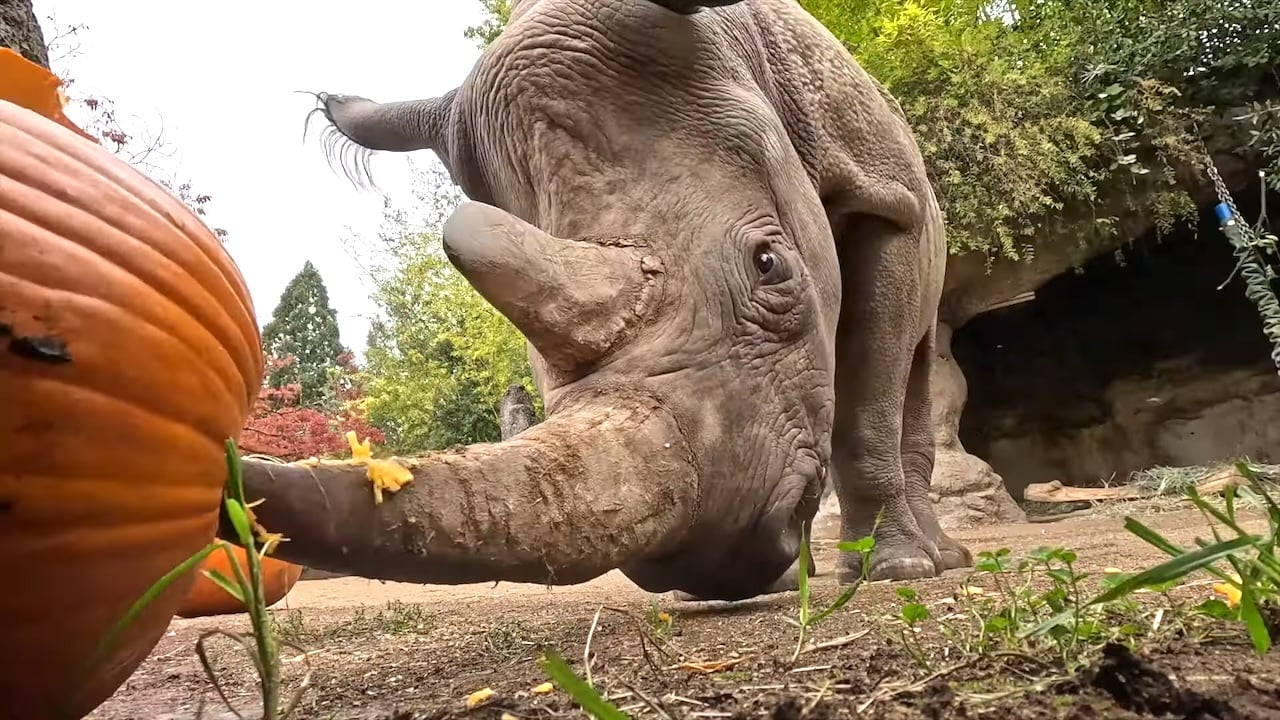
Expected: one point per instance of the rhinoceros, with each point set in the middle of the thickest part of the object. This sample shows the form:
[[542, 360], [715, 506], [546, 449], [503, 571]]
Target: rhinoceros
[[716, 232]]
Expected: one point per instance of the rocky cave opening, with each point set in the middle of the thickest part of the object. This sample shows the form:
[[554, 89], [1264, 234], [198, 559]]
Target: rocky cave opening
[[1131, 362]]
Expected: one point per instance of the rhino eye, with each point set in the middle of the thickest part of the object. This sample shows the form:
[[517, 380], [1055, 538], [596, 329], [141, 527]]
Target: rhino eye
[[769, 265]]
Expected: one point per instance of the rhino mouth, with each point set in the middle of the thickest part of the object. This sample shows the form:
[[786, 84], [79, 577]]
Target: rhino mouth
[[713, 563]]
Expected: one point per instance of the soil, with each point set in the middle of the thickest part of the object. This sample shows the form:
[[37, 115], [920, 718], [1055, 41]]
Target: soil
[[405, 652]]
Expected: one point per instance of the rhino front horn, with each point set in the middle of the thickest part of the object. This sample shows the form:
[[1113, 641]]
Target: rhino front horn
[[602, 483]]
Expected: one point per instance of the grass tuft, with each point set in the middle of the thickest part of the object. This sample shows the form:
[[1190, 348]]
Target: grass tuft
[[261, 642]]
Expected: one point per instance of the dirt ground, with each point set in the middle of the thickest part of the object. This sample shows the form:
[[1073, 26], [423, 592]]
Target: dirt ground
[[389, 650]]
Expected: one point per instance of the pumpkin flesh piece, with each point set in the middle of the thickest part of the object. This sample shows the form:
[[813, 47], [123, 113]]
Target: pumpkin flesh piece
[[208, 598]]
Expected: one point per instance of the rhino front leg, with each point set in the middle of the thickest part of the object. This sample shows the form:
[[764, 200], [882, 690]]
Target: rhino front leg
[[875, 343], [918, 456]]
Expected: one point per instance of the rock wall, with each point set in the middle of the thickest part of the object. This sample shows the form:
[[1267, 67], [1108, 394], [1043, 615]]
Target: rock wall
[[966, 490], [1183, 415], [1123, 366]]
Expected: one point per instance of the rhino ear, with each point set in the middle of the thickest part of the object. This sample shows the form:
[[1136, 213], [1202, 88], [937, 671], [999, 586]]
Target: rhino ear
[[689, 7]]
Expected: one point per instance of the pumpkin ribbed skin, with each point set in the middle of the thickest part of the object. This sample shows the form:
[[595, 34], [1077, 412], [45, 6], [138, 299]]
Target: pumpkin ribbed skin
[[206, 598], [128, 355]]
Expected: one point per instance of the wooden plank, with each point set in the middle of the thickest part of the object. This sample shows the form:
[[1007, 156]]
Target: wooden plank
[[1056, 492]]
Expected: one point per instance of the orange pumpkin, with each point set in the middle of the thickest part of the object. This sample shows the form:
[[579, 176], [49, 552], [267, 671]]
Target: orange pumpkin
[[128, 355], [206, 598]]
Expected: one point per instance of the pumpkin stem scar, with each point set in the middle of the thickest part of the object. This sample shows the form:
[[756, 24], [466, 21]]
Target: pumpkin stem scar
[[41, 349]]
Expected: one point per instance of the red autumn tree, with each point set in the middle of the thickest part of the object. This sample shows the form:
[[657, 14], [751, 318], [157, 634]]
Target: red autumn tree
[[282, 428]]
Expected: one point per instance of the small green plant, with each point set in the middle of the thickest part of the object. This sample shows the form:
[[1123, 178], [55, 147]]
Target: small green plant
[[807, 618], [246, 587], [912, 613], [1003, 606], [509, 640], [661, 622], [1254, 575], [394, 618]]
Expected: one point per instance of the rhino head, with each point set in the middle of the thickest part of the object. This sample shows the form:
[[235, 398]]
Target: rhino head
[[640, 212]]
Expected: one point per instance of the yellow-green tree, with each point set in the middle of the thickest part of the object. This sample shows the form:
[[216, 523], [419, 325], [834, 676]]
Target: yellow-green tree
[[439, 355], [497, 15]]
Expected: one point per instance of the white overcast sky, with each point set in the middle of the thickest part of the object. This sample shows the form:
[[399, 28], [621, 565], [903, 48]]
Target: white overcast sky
[[222, 78]]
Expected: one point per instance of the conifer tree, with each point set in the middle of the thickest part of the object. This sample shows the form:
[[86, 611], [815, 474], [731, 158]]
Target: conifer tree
[[303, 326]]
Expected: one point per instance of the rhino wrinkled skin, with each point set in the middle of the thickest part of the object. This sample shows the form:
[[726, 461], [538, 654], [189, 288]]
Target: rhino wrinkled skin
[[711, 206]]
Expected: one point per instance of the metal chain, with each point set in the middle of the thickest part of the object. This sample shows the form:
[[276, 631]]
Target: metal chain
[[1251, 247]]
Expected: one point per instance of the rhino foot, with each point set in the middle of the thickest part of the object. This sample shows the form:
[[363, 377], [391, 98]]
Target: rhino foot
[[893, 559], [903, 568], [953, 555]]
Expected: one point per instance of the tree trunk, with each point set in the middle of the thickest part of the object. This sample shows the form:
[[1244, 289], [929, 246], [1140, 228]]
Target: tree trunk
[[966, 490], [20, 30], [516, 412]]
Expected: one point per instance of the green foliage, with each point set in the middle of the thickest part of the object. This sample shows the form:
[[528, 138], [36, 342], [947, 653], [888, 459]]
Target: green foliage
[[1253, 581], [1038, 606], [497, 15], [1263, 120], [999, 130], [590, 699], [807, 618], [439, 355], [303, 326]]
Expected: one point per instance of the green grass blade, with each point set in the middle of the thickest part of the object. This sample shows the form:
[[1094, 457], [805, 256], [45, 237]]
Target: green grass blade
[[1155, 539], [1226, 518], [153, 592], [225, 583], [1151, 537], [240, 521], [839, 602], [1061, 618], [235, 474], [802, 577], [588, 697], [1176, 568], [1259, 487], [159, 586], [1252, 618], [247, 594], [1229, 501]]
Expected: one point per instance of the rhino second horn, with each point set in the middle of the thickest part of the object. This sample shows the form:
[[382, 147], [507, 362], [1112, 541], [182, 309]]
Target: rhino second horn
[[574, 300]]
